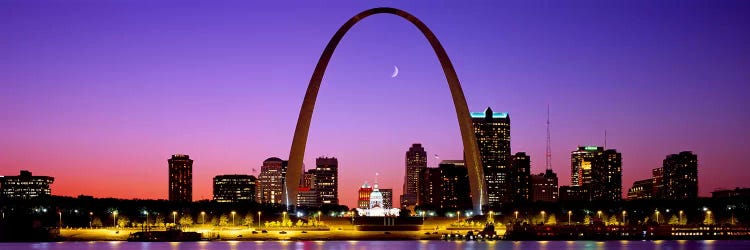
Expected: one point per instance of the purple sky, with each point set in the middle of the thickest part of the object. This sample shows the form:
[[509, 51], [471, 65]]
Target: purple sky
[[99, 94]]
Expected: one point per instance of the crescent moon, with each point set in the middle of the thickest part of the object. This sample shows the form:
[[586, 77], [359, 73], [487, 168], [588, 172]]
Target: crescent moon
[[395, 71]]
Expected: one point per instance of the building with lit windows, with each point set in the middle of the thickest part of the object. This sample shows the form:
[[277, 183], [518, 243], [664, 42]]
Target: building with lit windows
[[376, 206], [680, 176], [234, 188], [308, 197], [492, 131], [599, 171], [574, 193], [363, 199], [326, 181], [454, 188], [387, 197], [641, 190], [521, 178], [25, 186], [416, 163], [271, 181], [431, 187], [180, 178], [544, 186]]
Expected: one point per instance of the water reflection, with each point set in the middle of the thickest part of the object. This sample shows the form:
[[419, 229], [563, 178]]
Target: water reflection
[[388, 245]]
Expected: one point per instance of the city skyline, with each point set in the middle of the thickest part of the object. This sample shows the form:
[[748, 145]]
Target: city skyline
[[114, 98]]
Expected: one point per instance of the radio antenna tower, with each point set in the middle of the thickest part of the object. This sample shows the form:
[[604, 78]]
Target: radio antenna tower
[[548, 155]]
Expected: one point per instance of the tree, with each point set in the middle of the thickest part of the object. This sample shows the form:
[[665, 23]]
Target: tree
[[223, 220], [122, 221], [299, 223], [587, 219], [160, 220], [96, 222], [709, 219], [552, 220], [674, 220], [186, 220], [613, 220], [248, 220]]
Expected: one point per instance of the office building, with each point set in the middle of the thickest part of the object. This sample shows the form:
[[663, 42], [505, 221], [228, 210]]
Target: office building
[[492, 131], [574, 193], [544, 187], [455, 192], [599, 171], [521, 178], [271, 181], [680, 176], [326, 181], [416, 163], [25, 186], [234, 188], [363, 199], [641, 190], [387, 197], [180, 178]]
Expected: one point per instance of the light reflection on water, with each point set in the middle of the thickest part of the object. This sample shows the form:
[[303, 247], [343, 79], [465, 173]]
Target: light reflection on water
[[389, 245]]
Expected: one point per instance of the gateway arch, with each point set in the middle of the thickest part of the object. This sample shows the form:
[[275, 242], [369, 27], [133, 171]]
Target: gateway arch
[[471, 150]]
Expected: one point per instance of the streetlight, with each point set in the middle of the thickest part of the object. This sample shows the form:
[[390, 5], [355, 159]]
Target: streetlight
[[657, 216], [516, 213], [90, 218], [233, 212], [623, 216], [321, 214], [60, 213], [203, 217], [569, 214], [708, 214], [599, 213], [146, 224], [458, 213], [283, 218], [114, 220], [679, 221], [174, 218], [731, 222], [258, 219], [422, 213], [543, 217]]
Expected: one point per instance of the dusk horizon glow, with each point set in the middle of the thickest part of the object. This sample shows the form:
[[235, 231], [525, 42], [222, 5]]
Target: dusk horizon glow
[[100, 95]]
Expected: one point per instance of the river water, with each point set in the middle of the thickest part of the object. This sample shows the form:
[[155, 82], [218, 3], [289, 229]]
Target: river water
[[389, 245]]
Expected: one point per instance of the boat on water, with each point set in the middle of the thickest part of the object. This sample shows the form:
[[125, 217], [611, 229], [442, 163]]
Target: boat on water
[[168, 235]]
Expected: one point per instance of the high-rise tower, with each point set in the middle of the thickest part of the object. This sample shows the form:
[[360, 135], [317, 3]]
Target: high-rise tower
[[597, 170], [180, 178], [492, 131], [416, 163]]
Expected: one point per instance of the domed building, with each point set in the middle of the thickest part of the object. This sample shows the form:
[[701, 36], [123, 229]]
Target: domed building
[[376, 208]]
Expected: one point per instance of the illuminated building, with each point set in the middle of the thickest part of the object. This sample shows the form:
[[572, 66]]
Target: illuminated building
[[492, 131], [641, 190], [599, 171], [308, 197], [416, 163], [25, 186], [521, 178], [680, 176], [731, 193], [454, 190], [387, 197], [271, 181], [363, 199], [574, 193], [234, 188], [326, 181], [431, 187], [376, 206], [544, 186], [180, 178], [657, 183]]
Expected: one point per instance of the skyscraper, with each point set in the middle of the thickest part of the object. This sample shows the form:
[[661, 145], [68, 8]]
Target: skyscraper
[[416, 162], [599, 171], [180, 178], [544, 186], [520, 181], [492, 131], [363, 199], [641, 190], [387, 197], [431, 182], [271, 181], [680, 176], [25, 186], [454, 189], [326, 180], [234, 188]]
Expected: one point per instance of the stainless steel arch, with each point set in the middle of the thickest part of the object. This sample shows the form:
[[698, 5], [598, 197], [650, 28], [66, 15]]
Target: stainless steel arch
[[471, 151]]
